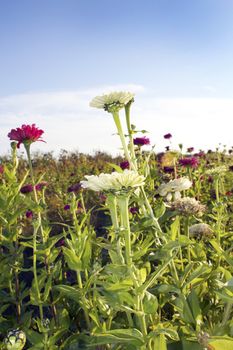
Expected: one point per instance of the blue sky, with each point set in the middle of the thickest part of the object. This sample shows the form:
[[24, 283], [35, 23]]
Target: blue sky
[[164, 49]]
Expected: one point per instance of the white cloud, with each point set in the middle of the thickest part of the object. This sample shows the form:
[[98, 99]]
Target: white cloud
[[70, 123]]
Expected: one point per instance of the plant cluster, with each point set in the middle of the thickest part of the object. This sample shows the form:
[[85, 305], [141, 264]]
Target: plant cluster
[[124, 254]]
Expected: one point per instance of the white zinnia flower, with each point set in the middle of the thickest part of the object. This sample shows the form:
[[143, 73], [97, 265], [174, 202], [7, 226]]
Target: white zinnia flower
[[217, 170], [113, 101], [200, 229], [115, 181], [174, 187]]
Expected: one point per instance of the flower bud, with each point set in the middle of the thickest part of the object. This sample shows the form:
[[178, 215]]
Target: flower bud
[[15, 340]]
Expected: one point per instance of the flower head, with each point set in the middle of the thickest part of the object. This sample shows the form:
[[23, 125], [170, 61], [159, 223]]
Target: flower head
[[217, 170], [112, 102], [167, 136], [141, 141], [75, 187], [26, 189], [114, 182], [190, 149], [27, 134], [29, 214], [124, 165], [41, 185], [174, 186], [15, 340], [134, 210], [189, 162], [200, 230], [188, 206], [66, 207]]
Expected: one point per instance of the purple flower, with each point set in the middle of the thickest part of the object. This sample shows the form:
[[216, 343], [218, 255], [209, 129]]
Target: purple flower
[[167, 136], [26, 189], [133, 210], [168, 169], [189, 161], [200, 154], [67, 207], [75, 187], [141, 141], [190, 149], [124, 165], [29, 214], [41, 185]]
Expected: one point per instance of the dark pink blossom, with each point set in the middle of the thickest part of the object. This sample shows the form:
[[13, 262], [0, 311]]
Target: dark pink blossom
[[66, 207], [190, 149], [189, 162], [134, 210], [124, 165], [27, 134], [41, 185], [26, 189], [1, 168], [167, 136], [75, 187], [29, 214], [141, 141]]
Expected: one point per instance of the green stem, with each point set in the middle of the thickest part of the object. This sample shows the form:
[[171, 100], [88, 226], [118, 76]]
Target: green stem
[[85, 310], [130, 132], [35, 235], [186, 230], [122, 137]]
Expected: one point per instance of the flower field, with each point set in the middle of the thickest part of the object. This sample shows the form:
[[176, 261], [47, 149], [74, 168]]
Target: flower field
[[124, 253]]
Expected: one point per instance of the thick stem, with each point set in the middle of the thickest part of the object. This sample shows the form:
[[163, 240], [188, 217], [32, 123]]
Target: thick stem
[[122, 137], [35, 236]]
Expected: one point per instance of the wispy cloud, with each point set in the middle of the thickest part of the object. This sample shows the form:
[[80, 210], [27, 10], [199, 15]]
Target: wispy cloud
[[70, 123]]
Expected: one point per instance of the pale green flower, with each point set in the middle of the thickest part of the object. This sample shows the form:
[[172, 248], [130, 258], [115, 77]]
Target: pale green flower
[[115, 181], [188, 206], [201, 230], [113, 101], [15, 340], [217, 170], [173, 188]]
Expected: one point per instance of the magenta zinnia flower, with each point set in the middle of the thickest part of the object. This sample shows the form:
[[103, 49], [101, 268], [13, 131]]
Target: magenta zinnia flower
[[41, 185], [124, 165], [141, 141], [27, 134], [75, 187], [167, 136], [26, 189], [189, 161], [29, 214]]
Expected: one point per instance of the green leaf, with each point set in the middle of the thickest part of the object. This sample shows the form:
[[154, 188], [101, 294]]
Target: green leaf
[[69, 292], [150, 303], [72, 259], [115, 336]]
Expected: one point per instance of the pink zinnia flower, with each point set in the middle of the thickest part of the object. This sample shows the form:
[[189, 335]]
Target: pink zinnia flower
[[167, 136], [29, 214], [26, 189], [27, 134], [189, 161], [141, 141], [41, 185], [124, 165]]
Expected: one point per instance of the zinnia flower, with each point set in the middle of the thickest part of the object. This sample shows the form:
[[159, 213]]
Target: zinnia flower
[[167, 136], [27, 134], [141, 141], [201, 230], [188, 206], [41, 185], [15, 340], [174, 186], [134, 210], [217, 170], [29, 214], [115, 181], [113, 101], [75, 187], [26, 189], [124, 165], [190, 149], [189, 162]]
